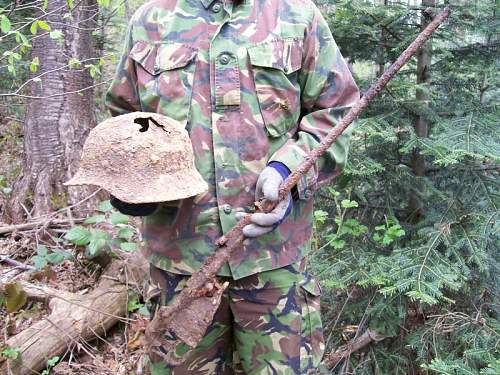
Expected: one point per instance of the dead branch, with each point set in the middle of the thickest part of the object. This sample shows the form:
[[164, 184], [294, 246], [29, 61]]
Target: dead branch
[[35, 224], [10, 275], [369, 336], [16, 264], [73, 317], [43, 293]]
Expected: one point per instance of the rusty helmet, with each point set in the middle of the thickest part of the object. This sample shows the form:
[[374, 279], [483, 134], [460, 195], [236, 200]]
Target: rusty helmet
[[140, 157]]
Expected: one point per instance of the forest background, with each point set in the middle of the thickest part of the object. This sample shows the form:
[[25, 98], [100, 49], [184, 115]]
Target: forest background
[[406, 239]]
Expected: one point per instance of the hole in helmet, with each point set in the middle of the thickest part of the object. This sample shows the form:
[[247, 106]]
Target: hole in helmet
[[144, 122]]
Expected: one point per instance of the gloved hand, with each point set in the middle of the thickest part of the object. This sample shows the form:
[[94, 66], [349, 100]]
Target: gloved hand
[[268, 185], [141, 209]]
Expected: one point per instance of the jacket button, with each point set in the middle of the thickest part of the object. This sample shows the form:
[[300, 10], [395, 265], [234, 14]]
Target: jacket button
[[227, 208], [157, 68], [224, 59], [216, 8], [307, 194]]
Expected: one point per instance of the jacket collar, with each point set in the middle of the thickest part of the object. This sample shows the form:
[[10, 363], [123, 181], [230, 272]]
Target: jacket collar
[[207, 3]]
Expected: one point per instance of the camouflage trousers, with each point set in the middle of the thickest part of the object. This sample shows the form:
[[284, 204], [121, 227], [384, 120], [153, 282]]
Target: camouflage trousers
[[267, 323]]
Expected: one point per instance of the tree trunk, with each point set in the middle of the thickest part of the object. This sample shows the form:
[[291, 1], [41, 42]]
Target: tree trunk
[[381, 51], [420, 122], [56, 125], [128, 13]]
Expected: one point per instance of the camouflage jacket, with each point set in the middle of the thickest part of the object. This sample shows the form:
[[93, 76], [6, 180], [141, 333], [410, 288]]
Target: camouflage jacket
[[255, 82]]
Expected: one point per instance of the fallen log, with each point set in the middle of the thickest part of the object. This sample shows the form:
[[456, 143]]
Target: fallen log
[[74, 318], [331, 360]]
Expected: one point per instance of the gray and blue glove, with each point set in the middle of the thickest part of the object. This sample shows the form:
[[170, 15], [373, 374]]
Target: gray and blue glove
[[268, 185]]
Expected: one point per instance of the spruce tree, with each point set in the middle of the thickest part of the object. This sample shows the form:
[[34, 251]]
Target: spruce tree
[[407, 238]]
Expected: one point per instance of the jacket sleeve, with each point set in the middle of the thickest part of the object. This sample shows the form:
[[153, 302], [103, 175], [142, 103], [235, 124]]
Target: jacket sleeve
[[327, 92], [122, 96]]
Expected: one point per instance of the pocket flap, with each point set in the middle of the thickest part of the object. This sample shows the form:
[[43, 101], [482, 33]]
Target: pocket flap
[[159, 57], [311, 286], [282, 54]]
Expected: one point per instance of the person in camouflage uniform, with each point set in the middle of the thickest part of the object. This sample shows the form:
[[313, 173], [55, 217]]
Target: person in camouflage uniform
[[257, 84]]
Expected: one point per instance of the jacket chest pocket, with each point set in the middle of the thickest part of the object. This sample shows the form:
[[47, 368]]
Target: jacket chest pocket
[[165, 74], [274, 66]]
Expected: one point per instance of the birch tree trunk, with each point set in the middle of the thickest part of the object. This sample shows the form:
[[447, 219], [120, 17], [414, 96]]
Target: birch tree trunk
[[56, 122]]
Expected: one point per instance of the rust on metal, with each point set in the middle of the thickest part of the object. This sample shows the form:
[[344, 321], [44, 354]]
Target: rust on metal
[[154, 151]]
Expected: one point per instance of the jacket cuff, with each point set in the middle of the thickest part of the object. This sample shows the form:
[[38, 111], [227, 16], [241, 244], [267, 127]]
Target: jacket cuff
[[281, 168], [291, 156], [284, 171]]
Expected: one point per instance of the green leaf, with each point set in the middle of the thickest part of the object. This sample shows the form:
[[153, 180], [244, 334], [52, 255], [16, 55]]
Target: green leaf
[[346, 203], [74, 63], [34, 28], [387, 240], [11, 353], [99, 240], [126, 233], [96, 245], [43, 25], [22, 39], [320, 216], [105, 206], [333, 192], [98, 234], [128, 246], [39, 24], [34, 65], [15, 297], [39, 261], [134, 304], [53, 361], [56, 257], [338, 244], [118, 218], [103, 3], [78, 236], [5, 25], [42, 250], [56, 35], [94, 219], [94, 70]]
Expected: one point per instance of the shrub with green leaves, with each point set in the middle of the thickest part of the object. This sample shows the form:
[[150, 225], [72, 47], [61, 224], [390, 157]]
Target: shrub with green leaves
[[44, 256], [416, 258], [96, 240]]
